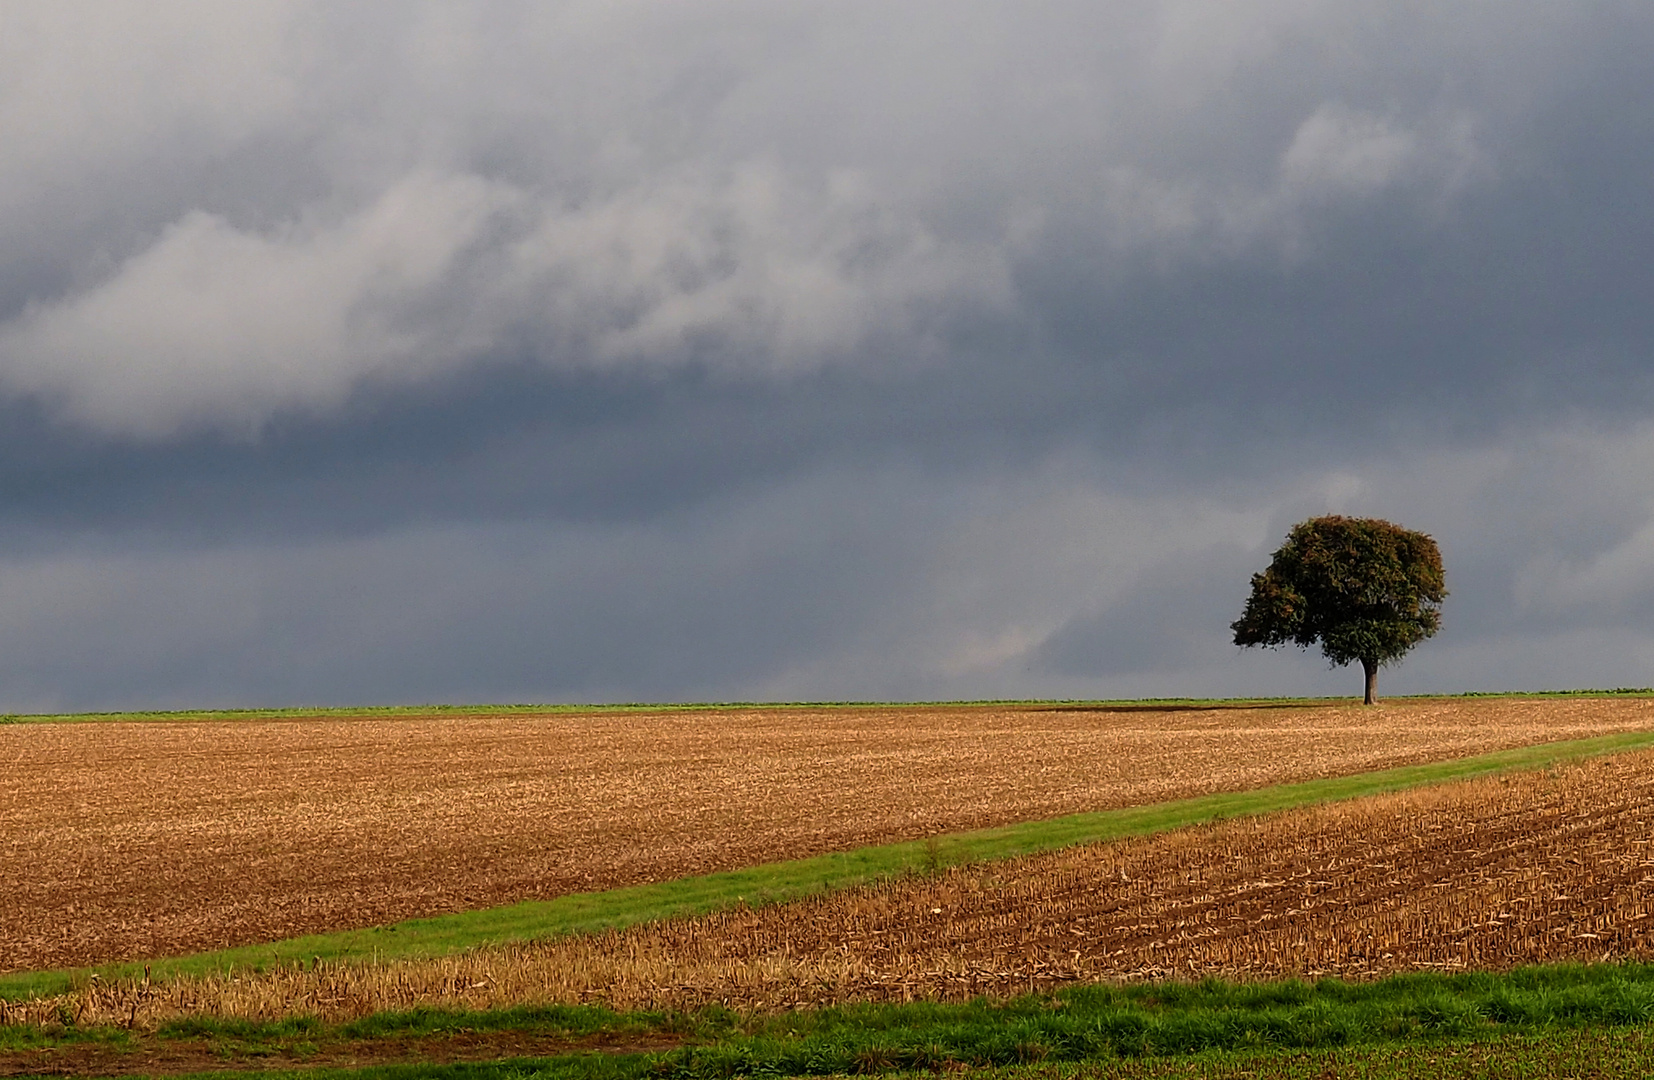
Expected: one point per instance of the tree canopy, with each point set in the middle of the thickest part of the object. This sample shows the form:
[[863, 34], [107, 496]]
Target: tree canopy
[[1364, 588]]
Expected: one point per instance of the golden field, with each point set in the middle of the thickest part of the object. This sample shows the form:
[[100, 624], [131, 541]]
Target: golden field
[[127, 840], [1489, 874]]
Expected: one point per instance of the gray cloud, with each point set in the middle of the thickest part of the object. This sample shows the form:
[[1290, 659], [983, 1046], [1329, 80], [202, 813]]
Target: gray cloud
[[752, 188], [387, 352]]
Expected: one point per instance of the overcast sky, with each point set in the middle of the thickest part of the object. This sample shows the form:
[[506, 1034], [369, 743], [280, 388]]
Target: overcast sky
[[599, 350]]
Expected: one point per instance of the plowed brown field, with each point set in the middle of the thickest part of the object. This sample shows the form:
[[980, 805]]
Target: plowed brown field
[[132, 840], [1491, 873]]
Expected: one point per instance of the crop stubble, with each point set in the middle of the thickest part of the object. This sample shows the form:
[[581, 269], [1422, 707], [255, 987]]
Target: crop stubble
[[134, 840], [1490, 873]]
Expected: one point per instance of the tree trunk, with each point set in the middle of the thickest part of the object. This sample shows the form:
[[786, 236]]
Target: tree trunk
[[1370, 668]]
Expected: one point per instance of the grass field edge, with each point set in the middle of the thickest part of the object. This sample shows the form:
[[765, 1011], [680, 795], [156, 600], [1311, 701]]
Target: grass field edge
[[1086, 1025], [301, 712]]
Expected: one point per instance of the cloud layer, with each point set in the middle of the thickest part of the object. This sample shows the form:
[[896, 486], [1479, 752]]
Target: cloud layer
[[405, 351]]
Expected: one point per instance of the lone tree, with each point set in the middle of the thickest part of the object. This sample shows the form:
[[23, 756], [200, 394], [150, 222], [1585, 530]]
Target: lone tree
[[1365, 589]]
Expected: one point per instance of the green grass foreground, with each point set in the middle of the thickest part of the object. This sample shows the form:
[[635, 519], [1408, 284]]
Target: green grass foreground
[[777, 882], [1393, 1027]]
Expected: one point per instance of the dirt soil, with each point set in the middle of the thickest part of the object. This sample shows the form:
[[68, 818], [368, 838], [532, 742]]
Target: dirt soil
[[135, 840], [150, 1056]]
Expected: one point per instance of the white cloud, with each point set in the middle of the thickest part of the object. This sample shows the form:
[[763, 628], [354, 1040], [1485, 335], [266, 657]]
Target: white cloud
[[780, 276], [217, 324], [85, 84], [221, 326], [1344, 151], [759, 188]]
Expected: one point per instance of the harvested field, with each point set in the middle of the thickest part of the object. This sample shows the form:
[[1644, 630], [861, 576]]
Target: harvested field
[[1490, 874], [144, 839]]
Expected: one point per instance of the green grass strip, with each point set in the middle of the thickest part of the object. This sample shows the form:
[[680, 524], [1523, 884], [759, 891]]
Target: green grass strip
[[1101, 1022], [381, 712], [776, 882], [1185, 1024], [1591, 1052], [347, 712]]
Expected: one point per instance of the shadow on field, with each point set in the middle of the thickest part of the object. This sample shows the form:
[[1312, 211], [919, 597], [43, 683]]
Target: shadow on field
[[1175, 707]]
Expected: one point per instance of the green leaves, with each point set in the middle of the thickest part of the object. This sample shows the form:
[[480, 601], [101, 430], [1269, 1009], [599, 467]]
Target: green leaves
[[1363, 588]]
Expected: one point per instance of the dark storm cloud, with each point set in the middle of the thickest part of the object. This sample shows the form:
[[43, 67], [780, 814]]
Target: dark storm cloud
[[1163, 621], [635, 350]]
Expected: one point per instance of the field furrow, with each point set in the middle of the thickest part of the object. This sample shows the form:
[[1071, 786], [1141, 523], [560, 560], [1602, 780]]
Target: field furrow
[[1487, 874], [138, 840]]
